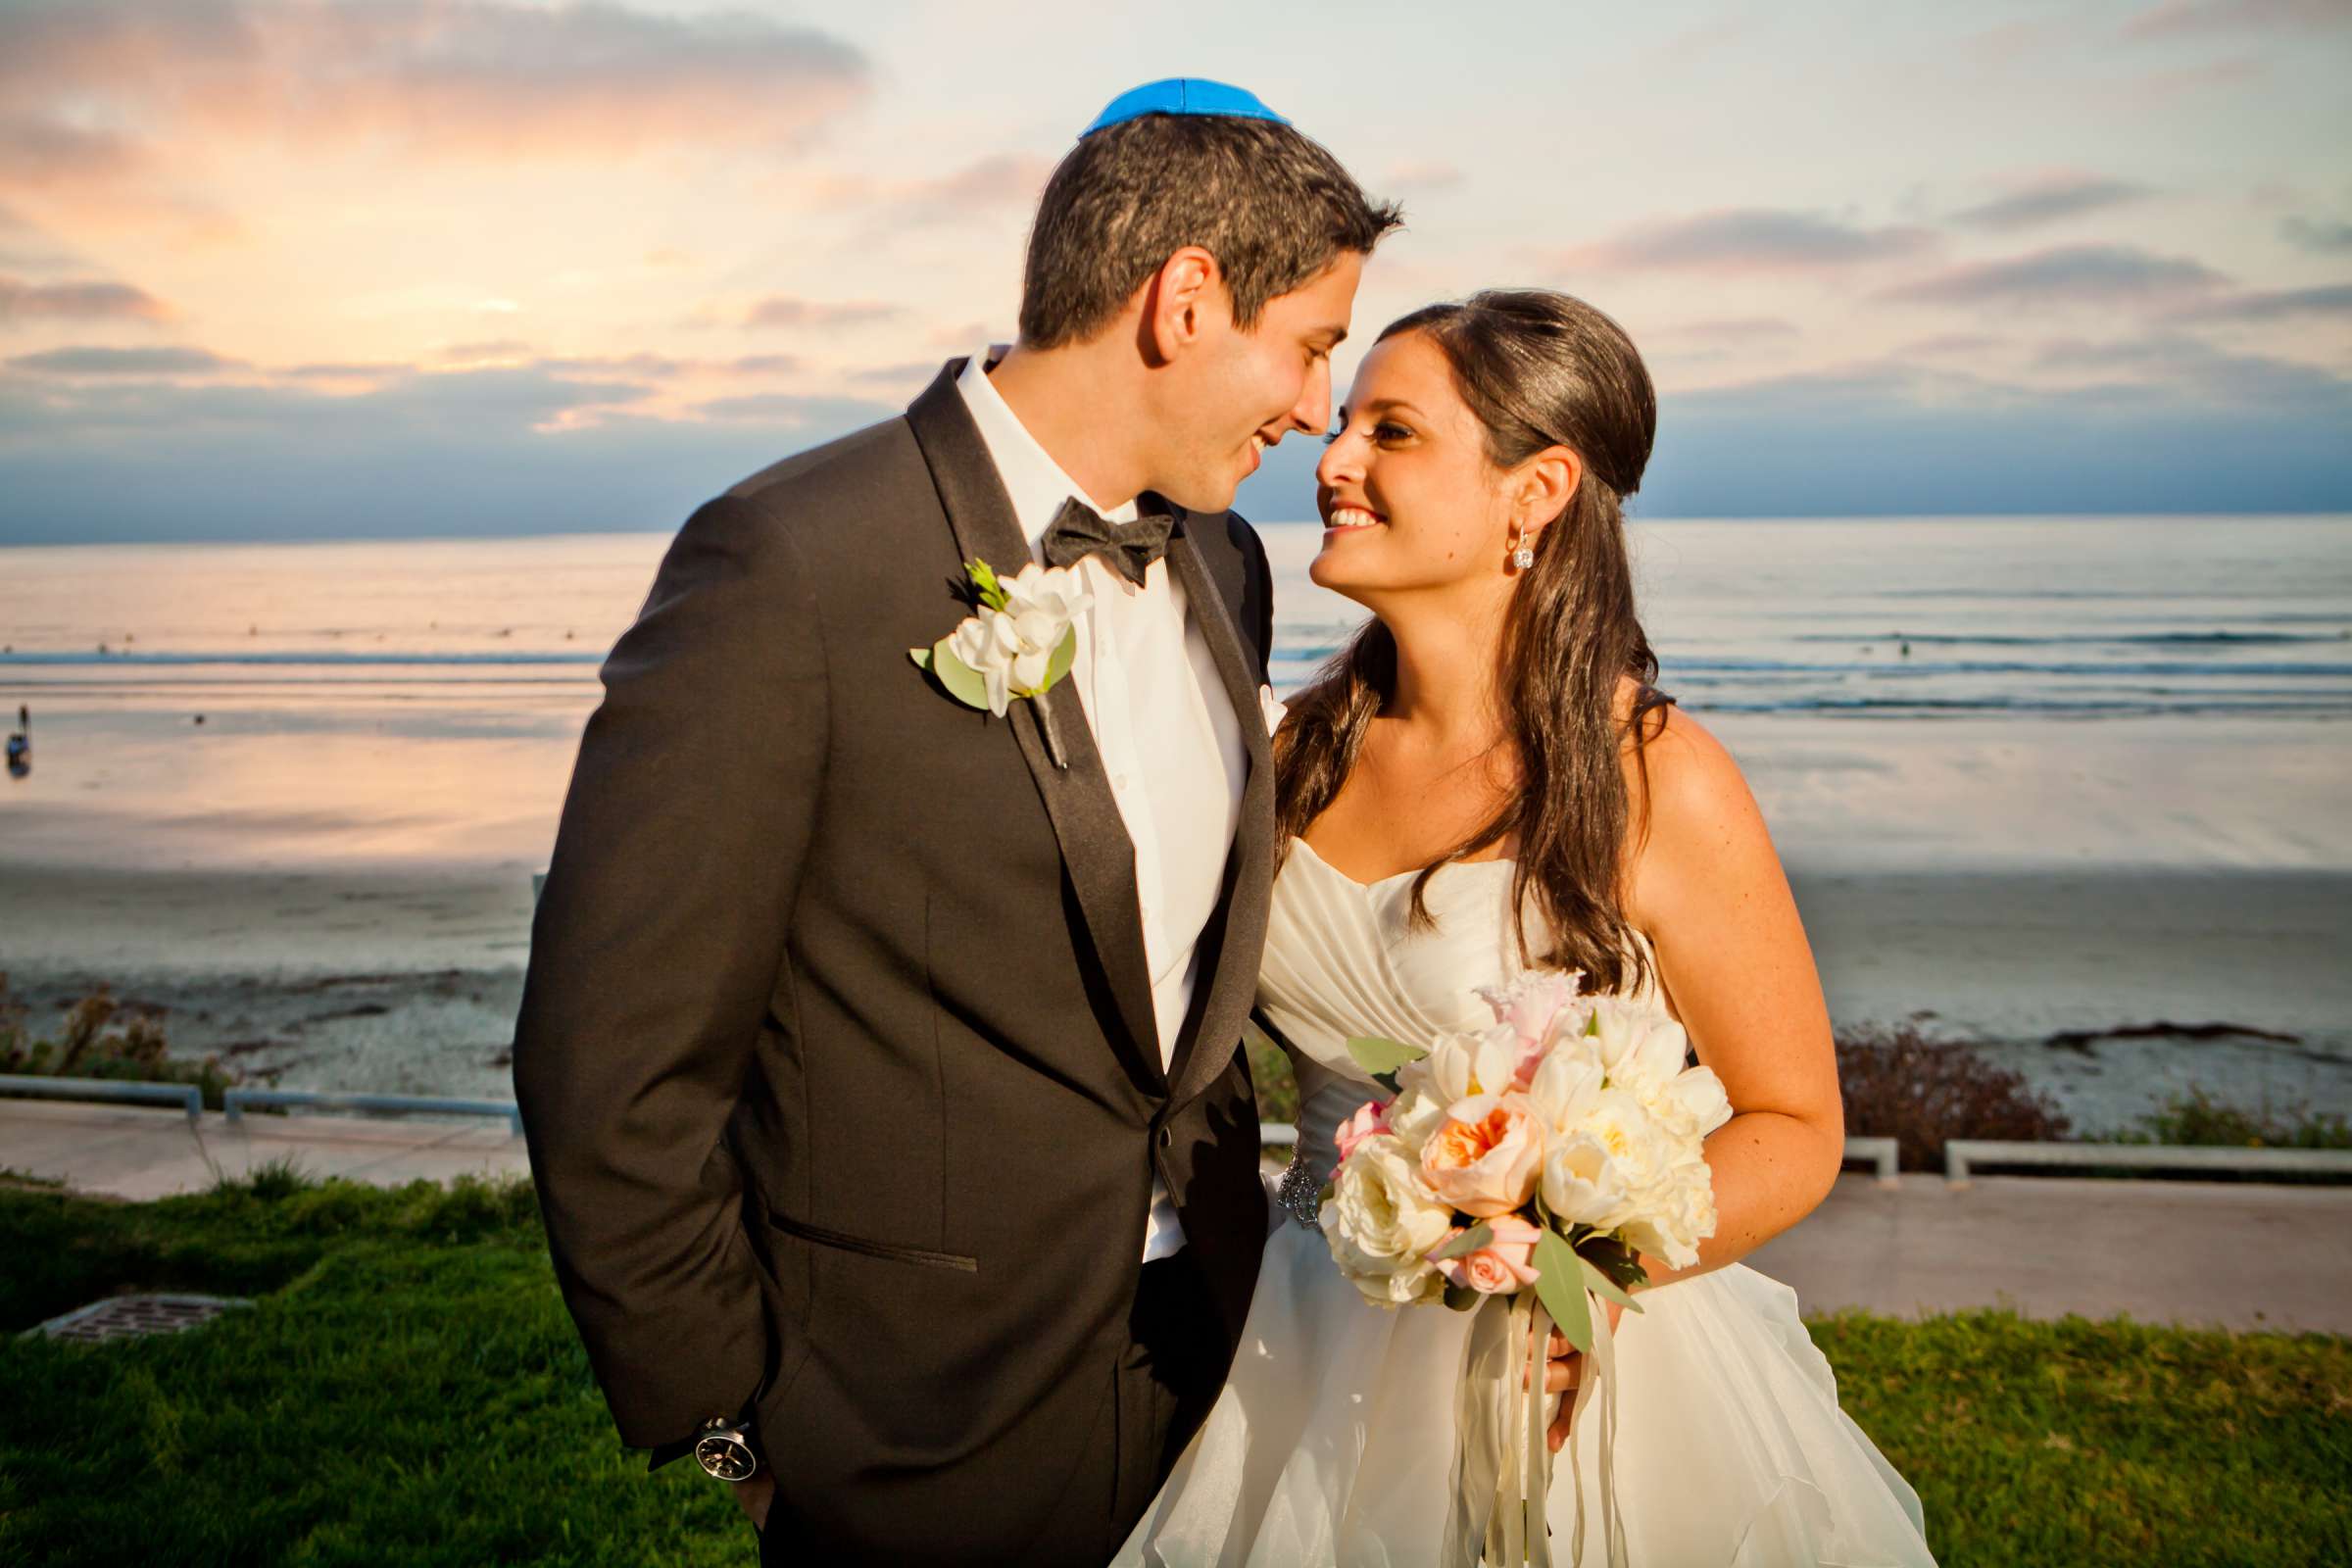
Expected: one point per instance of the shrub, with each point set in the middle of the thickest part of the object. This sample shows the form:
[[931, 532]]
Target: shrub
[[102, 1038], [1270, 1071], [2197, 1118], [1899, 1084]]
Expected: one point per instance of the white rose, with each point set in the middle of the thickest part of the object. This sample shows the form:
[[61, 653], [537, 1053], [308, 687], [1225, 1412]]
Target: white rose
[[1673, 1119], [1408, 1287], [1412, 1116], [1381, 1217], [1683, 1216]]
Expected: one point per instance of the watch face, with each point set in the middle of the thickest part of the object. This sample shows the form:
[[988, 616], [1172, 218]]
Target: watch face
[[724, 1457]]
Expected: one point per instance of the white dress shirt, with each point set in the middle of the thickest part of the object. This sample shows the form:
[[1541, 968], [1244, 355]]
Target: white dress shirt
[[1169, 737]]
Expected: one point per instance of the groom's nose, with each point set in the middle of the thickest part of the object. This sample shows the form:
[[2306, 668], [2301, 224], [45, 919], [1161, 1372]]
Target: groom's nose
[[1312, 411]]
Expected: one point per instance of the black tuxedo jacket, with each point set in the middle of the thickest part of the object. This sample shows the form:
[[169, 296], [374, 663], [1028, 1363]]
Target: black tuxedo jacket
[[836, 1055]]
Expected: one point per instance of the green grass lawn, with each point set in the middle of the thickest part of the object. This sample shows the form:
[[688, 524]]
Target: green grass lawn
[[409, 1389]]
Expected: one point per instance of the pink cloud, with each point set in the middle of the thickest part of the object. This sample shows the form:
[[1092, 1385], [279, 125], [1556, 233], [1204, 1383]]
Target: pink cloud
[[1746, 240], [2179, 17], [87, 300], [92, 87], [2066, 274], [2051, 198], [105, 361], [780, 310]]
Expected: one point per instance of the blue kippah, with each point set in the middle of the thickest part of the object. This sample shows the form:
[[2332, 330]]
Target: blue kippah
[[1182, 95]]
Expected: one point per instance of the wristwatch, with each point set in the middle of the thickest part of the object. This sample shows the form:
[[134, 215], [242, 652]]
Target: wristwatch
[[723, 1445]]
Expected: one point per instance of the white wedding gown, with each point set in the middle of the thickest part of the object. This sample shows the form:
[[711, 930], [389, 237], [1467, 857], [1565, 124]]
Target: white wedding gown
[[1333, 1442]]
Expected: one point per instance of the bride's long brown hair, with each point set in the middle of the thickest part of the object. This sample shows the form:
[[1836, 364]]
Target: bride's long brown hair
[[1538, 369]]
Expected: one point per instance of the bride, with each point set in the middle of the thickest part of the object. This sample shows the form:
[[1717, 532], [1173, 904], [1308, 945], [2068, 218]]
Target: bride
[[1483, 782]]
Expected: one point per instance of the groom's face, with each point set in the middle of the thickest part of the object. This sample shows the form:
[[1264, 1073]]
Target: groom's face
[[1243, 391]]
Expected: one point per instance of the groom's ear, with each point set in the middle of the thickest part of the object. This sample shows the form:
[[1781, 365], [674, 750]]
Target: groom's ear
[[1182, 300]]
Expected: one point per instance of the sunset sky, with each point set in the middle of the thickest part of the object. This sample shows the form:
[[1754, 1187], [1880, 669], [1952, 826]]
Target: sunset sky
[[283, 270]]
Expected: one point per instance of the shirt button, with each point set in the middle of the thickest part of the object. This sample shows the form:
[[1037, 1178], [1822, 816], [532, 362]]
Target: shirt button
[[1166, 1138]]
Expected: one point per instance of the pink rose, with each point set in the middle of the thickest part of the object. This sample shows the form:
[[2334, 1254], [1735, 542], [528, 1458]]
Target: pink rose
[[1503, 1265], [1486, 1156], [1370, 1118]]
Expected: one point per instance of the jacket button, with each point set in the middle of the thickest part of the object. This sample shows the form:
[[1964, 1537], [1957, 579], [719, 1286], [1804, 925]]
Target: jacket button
[[1166, 1138]]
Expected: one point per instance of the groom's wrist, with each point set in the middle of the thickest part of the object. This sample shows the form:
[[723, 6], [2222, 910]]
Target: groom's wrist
[[741, 1427]]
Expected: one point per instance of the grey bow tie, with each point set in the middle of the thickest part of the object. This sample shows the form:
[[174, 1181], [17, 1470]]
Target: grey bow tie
[[1079, 531]]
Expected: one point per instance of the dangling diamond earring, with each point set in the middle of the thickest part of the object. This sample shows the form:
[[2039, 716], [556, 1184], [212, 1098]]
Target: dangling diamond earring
[[1523, 556]]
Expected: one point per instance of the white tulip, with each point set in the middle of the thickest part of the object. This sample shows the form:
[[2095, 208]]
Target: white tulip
[[1565, 1088], [1638, 1042], [1700, 1092], [1444, 1074]]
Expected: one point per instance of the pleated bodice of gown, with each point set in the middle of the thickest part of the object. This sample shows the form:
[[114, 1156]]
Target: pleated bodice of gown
[[1344, 960]]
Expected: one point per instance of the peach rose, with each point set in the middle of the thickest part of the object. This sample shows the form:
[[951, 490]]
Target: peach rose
[[1485, 1156], [1502, 1266]]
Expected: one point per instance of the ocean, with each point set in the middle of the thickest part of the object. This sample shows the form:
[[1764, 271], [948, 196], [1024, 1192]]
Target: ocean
[[2064, 617], [419, 700]]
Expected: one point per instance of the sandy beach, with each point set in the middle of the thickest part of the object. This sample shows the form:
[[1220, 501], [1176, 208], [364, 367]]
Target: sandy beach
[[408, 983]]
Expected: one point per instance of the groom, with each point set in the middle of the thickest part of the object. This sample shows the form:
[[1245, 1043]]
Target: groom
[[877, 1055]]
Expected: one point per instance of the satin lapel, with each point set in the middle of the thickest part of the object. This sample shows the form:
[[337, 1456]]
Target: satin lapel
[[1095, 847], [1203, 1054]]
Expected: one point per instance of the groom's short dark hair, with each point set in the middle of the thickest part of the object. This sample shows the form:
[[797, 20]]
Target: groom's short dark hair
[[1273, 207]]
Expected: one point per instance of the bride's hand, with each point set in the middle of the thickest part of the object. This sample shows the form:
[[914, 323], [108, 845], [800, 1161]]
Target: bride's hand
[[1560, 1374]]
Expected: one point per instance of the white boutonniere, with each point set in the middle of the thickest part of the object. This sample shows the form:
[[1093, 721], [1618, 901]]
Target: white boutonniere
[[1022, 639]]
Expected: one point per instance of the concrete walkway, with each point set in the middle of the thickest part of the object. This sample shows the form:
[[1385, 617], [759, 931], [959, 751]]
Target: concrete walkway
[[2236, 1255], [134, 1151]]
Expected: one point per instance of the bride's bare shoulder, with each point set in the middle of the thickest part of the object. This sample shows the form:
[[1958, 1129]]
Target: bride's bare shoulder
[[1685, 792]]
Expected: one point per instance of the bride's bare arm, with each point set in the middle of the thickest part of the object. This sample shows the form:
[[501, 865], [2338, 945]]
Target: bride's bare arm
[[1708, 890]]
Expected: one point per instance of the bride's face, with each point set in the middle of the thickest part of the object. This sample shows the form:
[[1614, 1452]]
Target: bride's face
[[1410, 504]]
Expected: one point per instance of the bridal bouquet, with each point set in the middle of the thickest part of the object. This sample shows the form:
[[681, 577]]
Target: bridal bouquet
[[1524, 1168]]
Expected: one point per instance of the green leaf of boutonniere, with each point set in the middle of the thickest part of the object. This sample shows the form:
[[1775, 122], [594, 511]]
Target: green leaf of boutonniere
[[964, 683], [1064, 653]]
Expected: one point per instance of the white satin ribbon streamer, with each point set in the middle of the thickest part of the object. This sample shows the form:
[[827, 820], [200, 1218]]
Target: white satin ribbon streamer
[[1600, 1381], [1501, 1463]]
